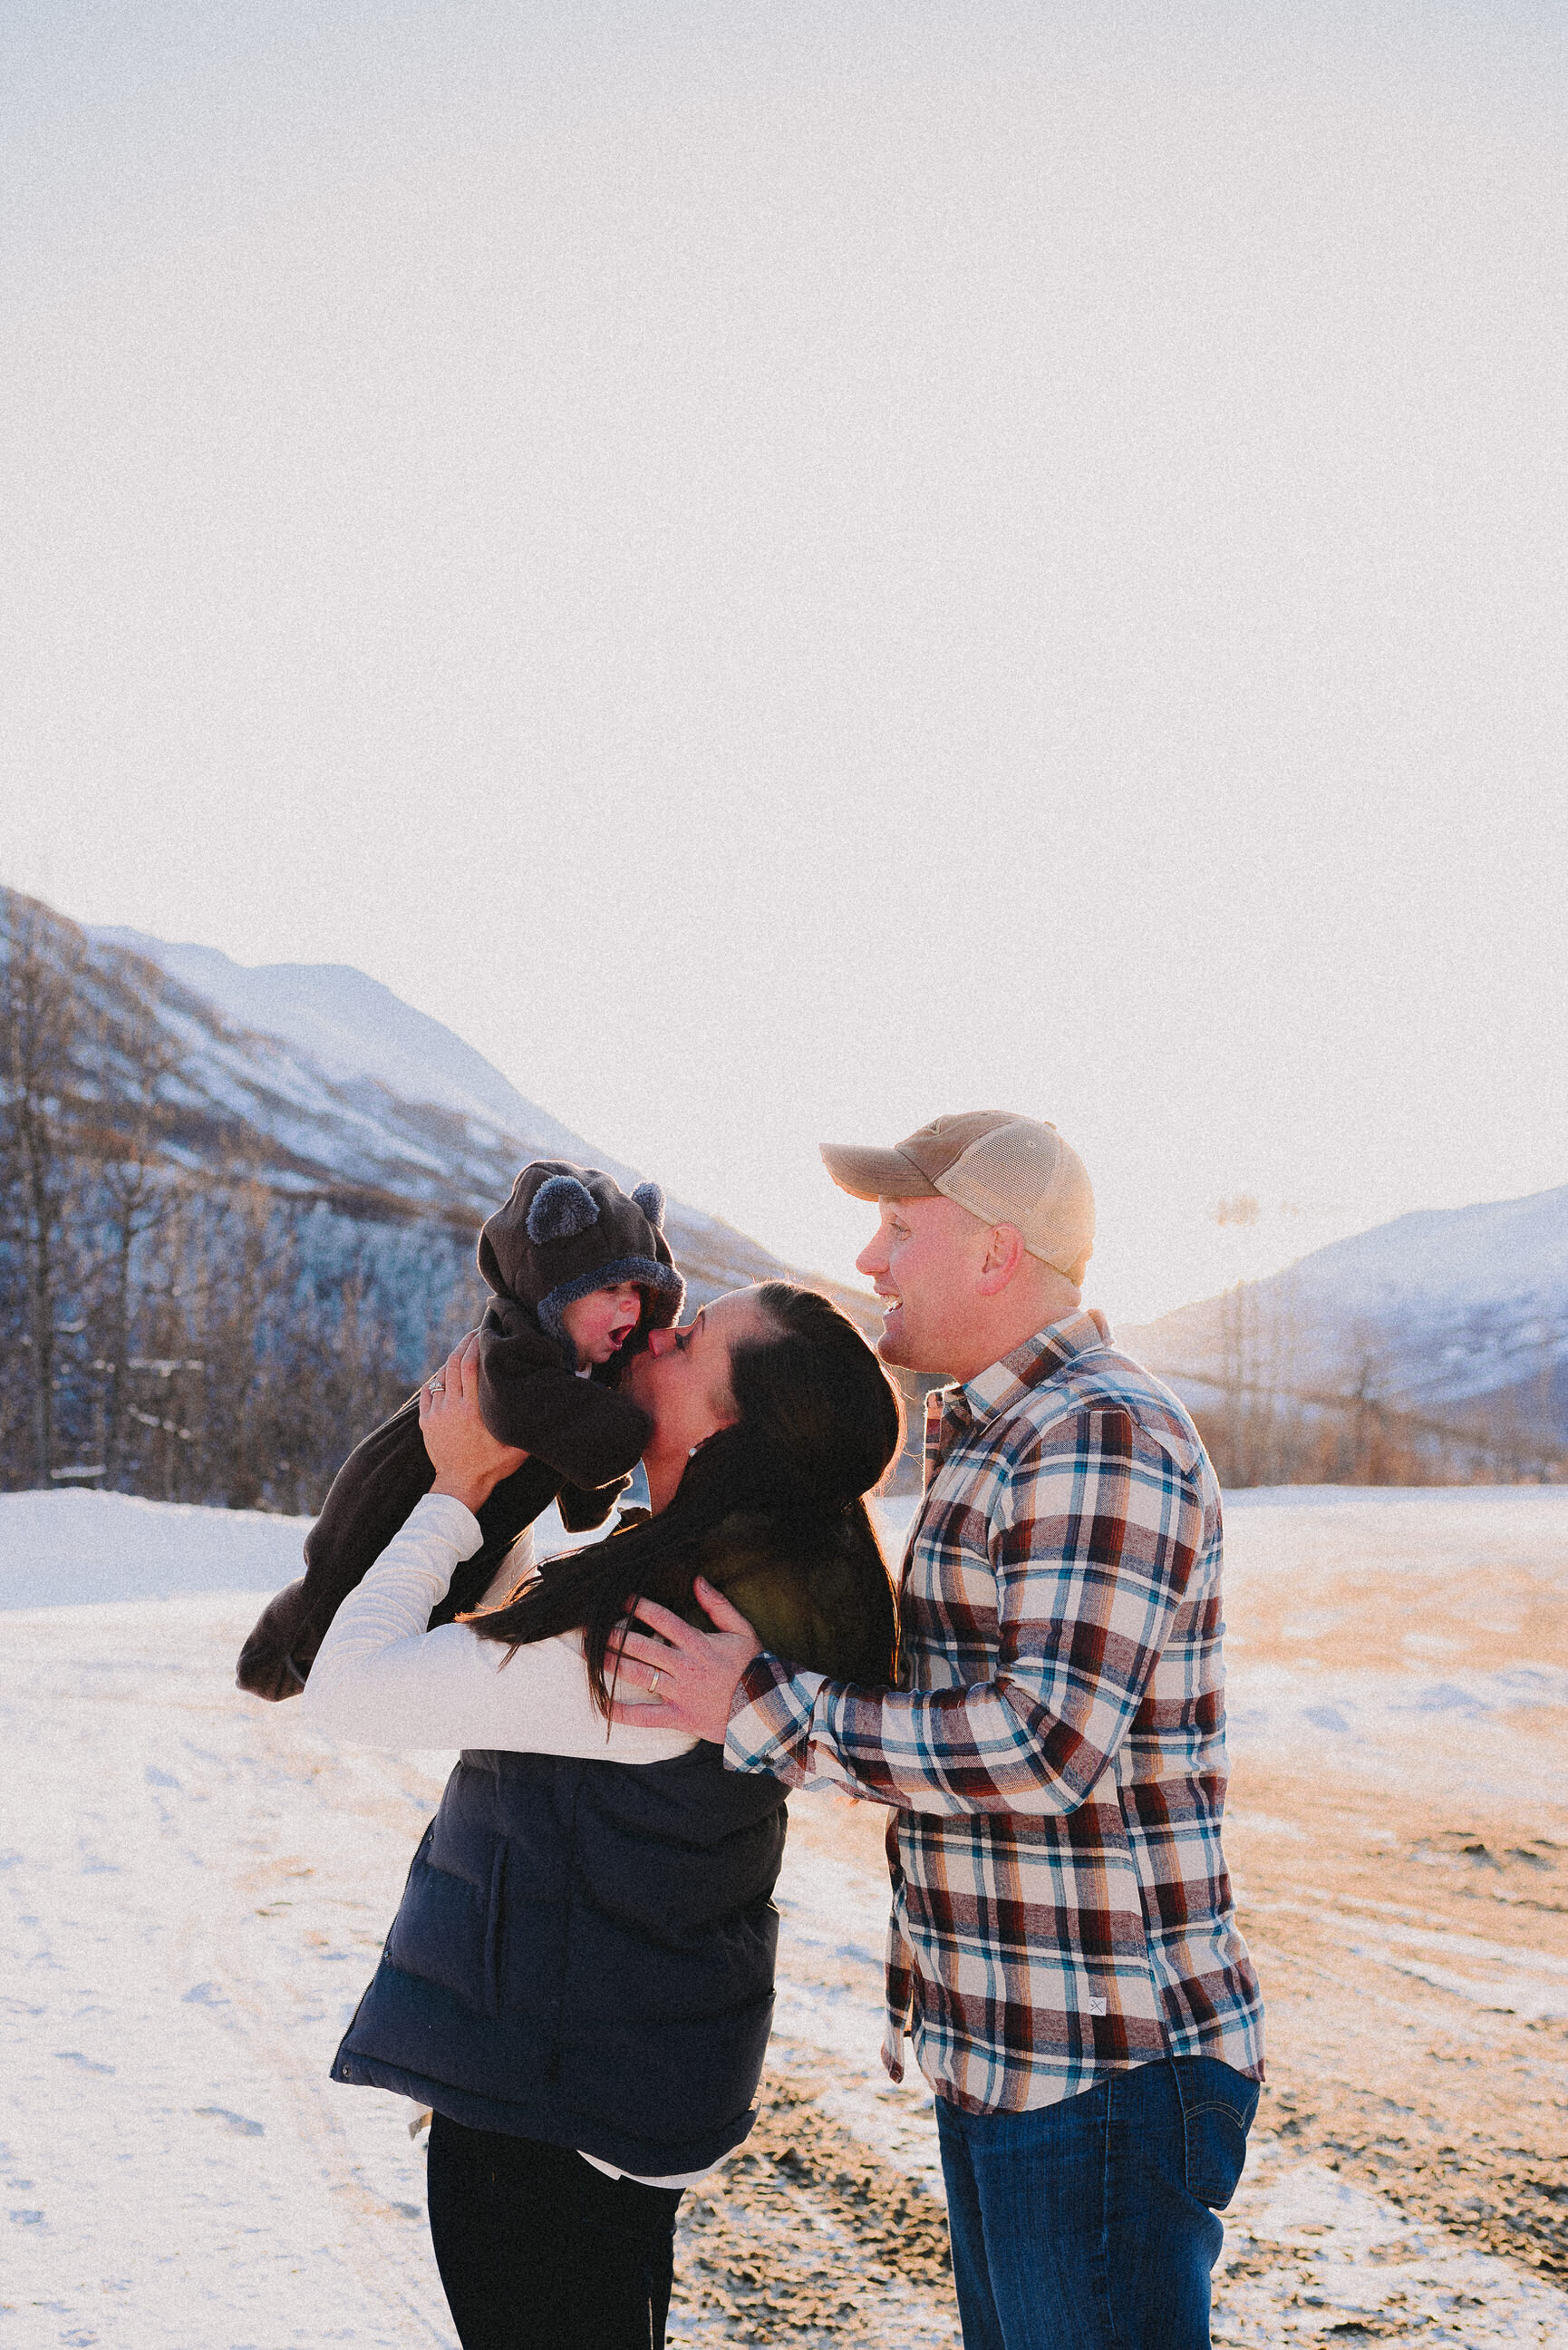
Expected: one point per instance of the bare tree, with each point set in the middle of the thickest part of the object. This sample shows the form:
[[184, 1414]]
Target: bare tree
[[39, 1088], [136, 1056]]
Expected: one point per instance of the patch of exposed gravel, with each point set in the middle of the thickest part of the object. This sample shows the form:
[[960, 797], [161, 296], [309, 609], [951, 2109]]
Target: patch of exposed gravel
[[805, 2237]]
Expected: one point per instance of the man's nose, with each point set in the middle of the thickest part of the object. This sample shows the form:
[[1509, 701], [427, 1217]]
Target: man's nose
[[873, 1257], [661, 1341]]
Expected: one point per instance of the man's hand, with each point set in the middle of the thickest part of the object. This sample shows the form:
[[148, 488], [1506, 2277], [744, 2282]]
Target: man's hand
[[690, 1677], [469, 1463]]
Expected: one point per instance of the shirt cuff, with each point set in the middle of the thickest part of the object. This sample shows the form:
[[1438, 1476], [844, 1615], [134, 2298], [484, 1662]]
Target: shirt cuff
[[444, 1515], [770, 1720]]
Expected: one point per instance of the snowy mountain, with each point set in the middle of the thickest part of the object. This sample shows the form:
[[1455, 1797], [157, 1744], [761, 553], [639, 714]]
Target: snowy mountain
[[232, 1248], [357, 1097], [354, 1095], [1452, 1311], [241, 1211], [352, 1028]]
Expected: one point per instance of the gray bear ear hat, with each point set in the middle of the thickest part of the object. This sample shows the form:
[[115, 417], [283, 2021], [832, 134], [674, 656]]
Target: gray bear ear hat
[[568, 1230]]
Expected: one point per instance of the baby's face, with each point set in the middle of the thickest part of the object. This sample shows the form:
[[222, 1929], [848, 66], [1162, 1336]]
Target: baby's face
[[602, 1322]]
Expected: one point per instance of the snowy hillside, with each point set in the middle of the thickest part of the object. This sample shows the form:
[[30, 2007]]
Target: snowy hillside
[[1443, 1308], [356, 1095], [353, 1028], [259, 1237], [1435, 1265]]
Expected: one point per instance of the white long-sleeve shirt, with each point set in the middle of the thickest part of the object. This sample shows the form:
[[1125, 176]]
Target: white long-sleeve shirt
[[381, 1679]]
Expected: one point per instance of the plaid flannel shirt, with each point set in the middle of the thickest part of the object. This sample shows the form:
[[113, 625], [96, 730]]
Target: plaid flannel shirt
[[1056, 1761]]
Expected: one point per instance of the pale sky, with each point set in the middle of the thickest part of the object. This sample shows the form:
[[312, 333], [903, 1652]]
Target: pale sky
[[784, 569]]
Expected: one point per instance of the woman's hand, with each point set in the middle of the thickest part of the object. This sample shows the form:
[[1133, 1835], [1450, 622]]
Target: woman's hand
[[689, 1676], [469, 1462]]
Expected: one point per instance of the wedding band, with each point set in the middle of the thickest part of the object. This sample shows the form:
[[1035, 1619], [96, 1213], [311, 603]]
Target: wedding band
[[653, 1681], [437, 1386]]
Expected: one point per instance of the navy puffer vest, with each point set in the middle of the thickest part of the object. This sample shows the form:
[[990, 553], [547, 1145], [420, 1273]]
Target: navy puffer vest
[[584, 1953]]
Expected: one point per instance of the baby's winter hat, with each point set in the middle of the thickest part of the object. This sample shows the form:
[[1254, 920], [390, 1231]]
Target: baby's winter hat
[[568, 1230]]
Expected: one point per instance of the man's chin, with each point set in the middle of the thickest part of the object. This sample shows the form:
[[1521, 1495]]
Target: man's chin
[[892, 1346]]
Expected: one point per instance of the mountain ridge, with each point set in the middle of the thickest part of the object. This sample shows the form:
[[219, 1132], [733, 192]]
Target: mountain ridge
[[1458, 1314], [354, 1026], [378, 1100]]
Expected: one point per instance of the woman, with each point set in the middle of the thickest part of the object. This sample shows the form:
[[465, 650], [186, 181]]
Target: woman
[[579, 1978]]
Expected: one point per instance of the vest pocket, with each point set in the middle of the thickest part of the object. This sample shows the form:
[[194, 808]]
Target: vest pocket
[[448, 1931]]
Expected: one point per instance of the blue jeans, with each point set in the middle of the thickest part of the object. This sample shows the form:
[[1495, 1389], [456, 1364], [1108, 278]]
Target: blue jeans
[[1089, 2225]]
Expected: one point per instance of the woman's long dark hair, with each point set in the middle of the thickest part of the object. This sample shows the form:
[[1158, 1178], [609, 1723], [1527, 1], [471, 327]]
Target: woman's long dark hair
[[818, 1422]]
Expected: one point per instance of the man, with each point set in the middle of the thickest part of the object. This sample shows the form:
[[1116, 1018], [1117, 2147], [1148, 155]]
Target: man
[[1062, 1949]]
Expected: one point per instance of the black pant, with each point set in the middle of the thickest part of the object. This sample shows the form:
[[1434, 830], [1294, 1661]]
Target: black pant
[[538, 2251]]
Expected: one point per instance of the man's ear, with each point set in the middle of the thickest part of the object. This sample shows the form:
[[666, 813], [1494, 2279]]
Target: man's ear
[[1004, 1253]]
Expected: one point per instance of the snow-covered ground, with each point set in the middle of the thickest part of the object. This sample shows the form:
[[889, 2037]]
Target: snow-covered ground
[[76, 1549], [196, 1886], [1415, 1636]]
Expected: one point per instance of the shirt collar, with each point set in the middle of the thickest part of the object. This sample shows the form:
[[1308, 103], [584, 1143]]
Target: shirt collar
[[1038, 1358]]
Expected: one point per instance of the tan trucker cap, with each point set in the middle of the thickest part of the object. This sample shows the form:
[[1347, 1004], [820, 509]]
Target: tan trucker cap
[[1003, 1168]]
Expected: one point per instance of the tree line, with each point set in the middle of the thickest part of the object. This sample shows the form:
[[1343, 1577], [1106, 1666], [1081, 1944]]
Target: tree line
[[1358, 1421], [174, 1322]]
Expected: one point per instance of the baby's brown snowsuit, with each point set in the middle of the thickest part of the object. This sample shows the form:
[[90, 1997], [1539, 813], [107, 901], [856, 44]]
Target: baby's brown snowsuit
[[564, 1231]]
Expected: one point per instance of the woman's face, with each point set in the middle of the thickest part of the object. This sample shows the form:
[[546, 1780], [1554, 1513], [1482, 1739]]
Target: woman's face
[[681, 1379]]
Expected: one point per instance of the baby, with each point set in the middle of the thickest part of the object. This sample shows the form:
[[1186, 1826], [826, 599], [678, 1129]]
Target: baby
[[580, 1272], [599, 1325]]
